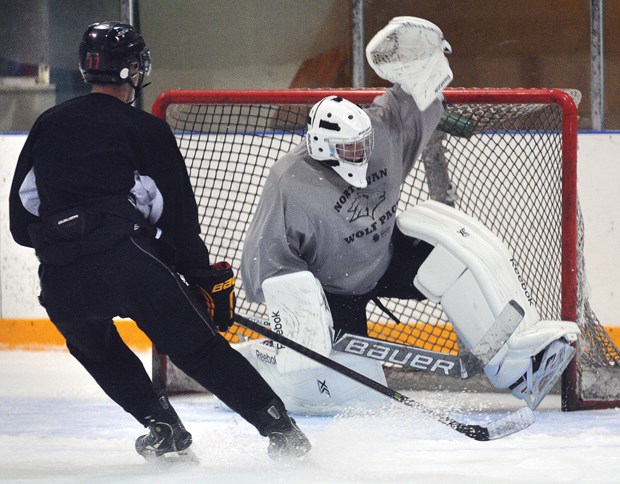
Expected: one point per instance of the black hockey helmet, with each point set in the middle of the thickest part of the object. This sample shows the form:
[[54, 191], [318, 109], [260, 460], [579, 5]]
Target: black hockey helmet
[[113, 53]]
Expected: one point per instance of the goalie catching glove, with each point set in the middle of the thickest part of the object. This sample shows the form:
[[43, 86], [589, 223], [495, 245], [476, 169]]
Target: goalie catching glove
[[412, 52], [217, 287]]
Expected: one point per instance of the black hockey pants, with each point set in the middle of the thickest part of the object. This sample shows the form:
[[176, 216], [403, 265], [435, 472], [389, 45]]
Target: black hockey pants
[[349, 312], [130, 281]]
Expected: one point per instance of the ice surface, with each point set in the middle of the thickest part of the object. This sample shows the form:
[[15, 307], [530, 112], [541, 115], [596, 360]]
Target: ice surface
[[57, 426]]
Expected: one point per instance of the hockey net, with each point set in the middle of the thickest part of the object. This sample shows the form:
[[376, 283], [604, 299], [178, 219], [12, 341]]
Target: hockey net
[[508, 157]]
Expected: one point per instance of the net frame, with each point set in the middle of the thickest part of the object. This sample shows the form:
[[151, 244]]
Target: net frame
[[572, 271]]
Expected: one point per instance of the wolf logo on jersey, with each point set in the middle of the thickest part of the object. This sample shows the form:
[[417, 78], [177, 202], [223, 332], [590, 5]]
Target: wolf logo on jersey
[[365, 205]]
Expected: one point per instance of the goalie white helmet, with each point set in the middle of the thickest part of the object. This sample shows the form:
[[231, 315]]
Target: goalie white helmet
[[340, 134]]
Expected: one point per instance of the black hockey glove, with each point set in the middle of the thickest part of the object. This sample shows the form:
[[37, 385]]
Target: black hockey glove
[[217, 287]]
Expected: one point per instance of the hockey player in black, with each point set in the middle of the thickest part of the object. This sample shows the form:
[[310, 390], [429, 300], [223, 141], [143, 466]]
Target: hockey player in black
[[102, 194]]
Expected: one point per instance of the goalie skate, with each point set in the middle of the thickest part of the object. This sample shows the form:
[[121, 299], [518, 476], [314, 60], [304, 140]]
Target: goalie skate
[[544, 371]]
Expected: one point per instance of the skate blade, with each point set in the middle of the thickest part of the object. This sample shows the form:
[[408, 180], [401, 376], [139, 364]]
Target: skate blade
[[183, 457]]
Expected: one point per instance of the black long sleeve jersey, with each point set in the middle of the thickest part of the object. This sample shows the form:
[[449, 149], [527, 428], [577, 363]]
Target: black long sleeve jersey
[[87, 151]]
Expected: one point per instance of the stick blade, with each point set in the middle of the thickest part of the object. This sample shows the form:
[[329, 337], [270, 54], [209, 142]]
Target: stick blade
[[512, 423], [502, 427]]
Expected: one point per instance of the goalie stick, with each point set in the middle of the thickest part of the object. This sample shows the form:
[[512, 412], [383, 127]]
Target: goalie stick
[[417, 359], [502, 427], [438, 363], [442, 364]]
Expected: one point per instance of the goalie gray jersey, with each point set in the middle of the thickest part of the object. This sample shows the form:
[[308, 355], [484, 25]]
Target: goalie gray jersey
[[309, 218]]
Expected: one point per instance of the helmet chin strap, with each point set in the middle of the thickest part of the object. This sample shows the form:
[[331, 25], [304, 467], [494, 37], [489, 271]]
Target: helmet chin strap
[[137, 88]]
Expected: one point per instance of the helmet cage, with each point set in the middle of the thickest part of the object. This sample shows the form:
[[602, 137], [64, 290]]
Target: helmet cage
[[354, 151], [140, 67], [340, 135]]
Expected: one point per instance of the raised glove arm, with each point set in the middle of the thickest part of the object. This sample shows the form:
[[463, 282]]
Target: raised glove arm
[[217, 287], [412, 52]]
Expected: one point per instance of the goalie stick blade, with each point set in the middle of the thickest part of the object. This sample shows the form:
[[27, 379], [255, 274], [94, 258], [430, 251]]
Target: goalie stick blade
[[514, 422], [497, 429]]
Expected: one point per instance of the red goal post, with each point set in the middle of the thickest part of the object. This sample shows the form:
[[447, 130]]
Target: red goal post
[[510, 155]]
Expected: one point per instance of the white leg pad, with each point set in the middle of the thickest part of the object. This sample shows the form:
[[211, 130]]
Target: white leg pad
[[318, 390], [445, 270], [472, 274], [299, 311], [536, 383], [470, 271], [465, 302]]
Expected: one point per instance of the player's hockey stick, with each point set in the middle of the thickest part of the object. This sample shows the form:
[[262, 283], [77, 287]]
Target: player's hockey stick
[[513, 422]]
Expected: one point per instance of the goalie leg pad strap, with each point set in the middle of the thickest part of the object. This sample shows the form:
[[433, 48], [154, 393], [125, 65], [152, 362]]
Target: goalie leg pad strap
[[504, 326]]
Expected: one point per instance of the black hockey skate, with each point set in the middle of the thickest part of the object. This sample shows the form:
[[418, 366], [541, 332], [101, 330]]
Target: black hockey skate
[[167, 440], [288, 443], [286, 440]]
